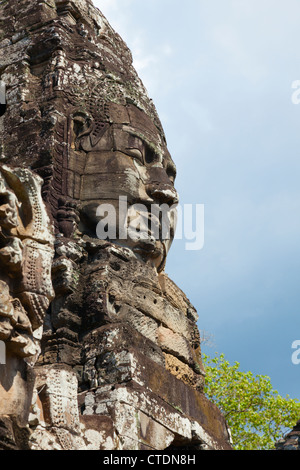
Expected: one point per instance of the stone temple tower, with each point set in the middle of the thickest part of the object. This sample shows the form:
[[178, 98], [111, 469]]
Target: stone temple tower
[[102, 348]]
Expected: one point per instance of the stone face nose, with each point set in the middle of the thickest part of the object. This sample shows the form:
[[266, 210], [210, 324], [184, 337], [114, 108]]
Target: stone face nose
[[163, 193], [160, 187]]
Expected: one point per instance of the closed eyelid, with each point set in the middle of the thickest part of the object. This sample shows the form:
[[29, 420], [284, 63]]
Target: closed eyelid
[[135, 153], [135, 141], [140, 147]]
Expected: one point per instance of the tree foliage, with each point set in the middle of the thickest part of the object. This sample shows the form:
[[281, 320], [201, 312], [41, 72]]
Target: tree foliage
[[256, 414]]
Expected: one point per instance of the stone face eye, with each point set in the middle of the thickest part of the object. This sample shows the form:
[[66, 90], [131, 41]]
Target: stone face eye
[[150, 155], [2, 98], [135, 148], [135, 153]]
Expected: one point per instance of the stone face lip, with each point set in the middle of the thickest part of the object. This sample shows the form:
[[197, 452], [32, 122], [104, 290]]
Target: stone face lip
[[102, 348]]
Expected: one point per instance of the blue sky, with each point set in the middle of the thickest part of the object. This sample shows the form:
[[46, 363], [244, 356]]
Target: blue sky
[[220, 74]]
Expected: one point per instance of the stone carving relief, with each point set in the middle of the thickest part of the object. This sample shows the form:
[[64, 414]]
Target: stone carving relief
[[26, 252], [119, 359]]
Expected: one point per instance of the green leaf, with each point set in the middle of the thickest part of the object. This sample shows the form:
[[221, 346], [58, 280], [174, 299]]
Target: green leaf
[[256, 414]]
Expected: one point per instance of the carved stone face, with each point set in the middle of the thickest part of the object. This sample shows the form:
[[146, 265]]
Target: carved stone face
[[126, 157]]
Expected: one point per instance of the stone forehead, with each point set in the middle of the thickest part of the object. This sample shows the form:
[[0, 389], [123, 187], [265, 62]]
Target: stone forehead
[[118, 106], [140, 123], [118, 110]]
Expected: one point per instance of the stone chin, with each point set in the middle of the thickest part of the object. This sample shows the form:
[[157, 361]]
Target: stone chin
[[126, 226], [154, 253], [150, 250], [143, 244]]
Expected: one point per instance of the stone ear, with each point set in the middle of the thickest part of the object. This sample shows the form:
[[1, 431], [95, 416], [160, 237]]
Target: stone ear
[[2, 98], [82, 124]]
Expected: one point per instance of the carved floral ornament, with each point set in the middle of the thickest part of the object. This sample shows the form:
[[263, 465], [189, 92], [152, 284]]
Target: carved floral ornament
[[26, 252]]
